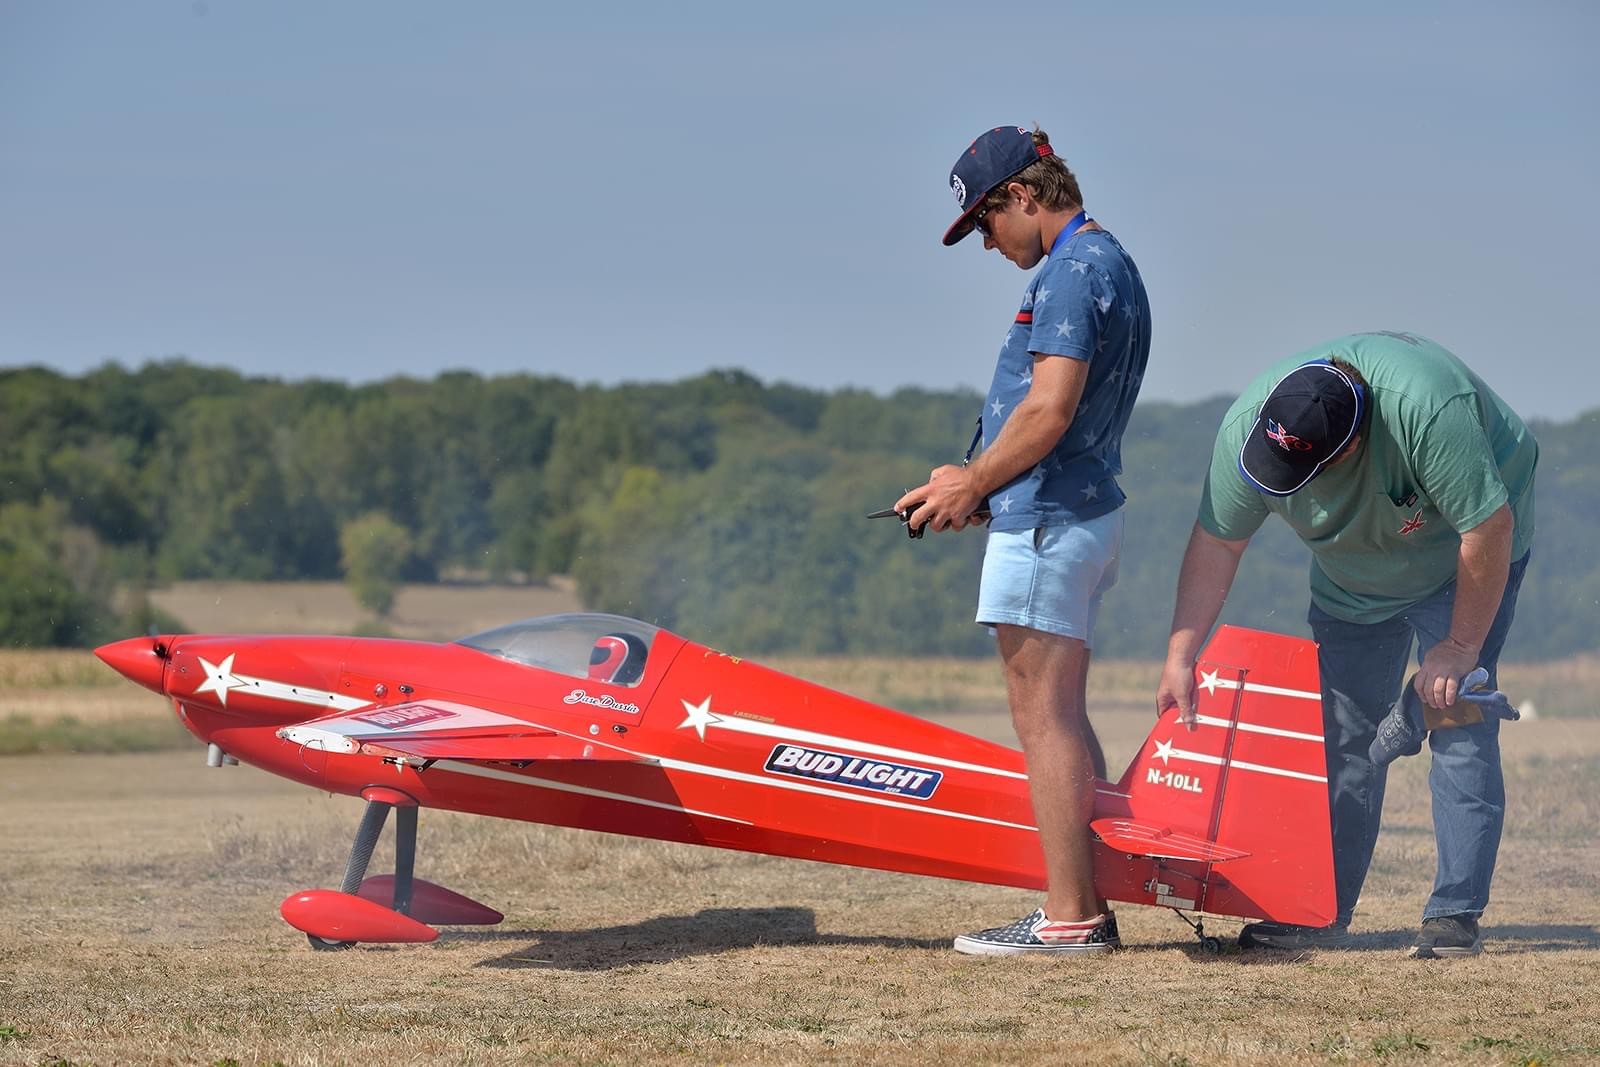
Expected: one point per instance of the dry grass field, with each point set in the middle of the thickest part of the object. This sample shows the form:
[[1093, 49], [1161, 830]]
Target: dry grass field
[[139, 894]]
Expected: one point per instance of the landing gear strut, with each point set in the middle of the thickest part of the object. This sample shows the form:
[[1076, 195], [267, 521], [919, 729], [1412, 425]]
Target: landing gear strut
[[381, 909], [355, 871], [1211, 946]]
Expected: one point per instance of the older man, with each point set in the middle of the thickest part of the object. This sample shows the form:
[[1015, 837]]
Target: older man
[[1412, 484]]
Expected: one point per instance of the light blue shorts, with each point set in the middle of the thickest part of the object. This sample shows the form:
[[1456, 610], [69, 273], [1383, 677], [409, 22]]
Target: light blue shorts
[[1051, 578]]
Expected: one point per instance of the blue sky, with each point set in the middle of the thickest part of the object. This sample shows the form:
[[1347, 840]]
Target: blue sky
[[641, 191]]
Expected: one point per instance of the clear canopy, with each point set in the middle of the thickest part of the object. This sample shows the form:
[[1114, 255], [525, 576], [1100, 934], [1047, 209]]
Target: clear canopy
[[604, 648]]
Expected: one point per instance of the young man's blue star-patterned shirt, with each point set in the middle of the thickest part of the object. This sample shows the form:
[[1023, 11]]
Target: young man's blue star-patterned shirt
[[1086, 302]]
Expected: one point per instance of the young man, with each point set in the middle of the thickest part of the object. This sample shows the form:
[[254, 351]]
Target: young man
[[1052, 425], [1412, 484]]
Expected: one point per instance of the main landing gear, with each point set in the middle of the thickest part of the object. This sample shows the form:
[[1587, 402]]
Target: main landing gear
[[381, 909]]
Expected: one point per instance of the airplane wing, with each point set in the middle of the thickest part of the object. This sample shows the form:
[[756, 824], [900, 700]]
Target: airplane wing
[[439, 729], [1143, 839]]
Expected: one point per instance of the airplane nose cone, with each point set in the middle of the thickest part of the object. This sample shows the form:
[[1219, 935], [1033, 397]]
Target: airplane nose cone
[[136, 659]]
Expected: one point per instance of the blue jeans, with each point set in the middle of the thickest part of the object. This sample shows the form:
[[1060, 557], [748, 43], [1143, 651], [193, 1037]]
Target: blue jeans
[[1363, 667]]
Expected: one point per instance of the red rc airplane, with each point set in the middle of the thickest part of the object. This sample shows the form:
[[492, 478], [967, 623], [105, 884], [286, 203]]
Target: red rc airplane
[[606, 723]]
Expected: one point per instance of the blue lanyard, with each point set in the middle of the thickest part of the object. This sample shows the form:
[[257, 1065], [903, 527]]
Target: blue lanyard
[[1067, 231]]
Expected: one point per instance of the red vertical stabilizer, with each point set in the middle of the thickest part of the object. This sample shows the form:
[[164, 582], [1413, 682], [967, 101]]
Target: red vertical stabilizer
[[1232, 816]]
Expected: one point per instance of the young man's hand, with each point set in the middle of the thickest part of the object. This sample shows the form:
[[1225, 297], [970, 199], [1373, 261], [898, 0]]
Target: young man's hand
[[948, 501]]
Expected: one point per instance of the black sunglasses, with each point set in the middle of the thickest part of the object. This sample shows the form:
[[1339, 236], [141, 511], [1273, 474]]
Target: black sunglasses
[[980, 225]]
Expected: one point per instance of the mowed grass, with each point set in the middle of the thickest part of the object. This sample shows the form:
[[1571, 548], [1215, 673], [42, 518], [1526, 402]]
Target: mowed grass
[[140, 895]]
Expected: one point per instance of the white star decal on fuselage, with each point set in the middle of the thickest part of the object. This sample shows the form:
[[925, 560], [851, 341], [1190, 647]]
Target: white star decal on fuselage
[[699, 716], [219, 679]]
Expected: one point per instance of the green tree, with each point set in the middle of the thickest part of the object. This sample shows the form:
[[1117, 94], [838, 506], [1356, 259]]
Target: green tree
[[54, 590], [374, 551]]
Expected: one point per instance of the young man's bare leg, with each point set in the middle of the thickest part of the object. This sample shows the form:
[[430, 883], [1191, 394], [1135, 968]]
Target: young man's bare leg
[[1046, 679]]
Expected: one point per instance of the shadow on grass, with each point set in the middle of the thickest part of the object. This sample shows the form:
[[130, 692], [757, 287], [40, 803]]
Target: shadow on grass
[[1541, 937], [1510, 939], [673, 937]]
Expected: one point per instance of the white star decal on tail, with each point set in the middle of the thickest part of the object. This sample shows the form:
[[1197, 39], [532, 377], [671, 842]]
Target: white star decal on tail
[[219, 679], [1209, 681], [1164, 751], [699, 716]]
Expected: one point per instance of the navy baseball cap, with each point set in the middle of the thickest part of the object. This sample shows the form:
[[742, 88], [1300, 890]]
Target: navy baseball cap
[[1306, 421], [992, 160]]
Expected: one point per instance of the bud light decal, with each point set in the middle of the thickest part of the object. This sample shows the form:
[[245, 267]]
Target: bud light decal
[[858, 771]]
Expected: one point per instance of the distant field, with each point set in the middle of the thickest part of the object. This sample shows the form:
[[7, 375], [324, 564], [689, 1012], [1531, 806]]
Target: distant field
[[67, 701], [428, 612]]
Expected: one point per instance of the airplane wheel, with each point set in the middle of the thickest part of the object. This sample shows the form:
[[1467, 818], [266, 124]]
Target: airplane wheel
[[322, 944], [1211, 946]]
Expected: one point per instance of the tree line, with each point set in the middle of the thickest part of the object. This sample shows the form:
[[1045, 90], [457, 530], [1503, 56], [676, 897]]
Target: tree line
[[719, 506]]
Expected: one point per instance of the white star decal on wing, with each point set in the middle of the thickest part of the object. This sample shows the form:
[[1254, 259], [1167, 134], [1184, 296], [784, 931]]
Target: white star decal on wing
[[1095, 249], [1079, 267], [1105, 304], [1208, 681], [994, 406], [1164, 751], [699, 716], [1040, 297], [219, 679], [1065, 329]]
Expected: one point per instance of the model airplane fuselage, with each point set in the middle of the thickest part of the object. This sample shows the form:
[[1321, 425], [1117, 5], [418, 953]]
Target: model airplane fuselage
[[606, 723]]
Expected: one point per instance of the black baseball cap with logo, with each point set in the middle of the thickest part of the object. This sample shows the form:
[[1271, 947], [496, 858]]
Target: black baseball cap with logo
[[989, 162], [1307, 420]]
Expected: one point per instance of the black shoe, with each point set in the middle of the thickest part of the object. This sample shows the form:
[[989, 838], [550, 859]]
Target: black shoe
[[1447, 936], [1291, 937]]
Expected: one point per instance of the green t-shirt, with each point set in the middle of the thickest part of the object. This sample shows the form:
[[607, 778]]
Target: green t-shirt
[[1440, 453]]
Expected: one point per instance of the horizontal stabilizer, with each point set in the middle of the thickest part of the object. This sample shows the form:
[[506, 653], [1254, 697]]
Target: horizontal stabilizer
[[436, 729], [1142, 839]]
